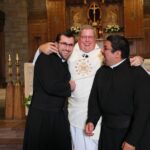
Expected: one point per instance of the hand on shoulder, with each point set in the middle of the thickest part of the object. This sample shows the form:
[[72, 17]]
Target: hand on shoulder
[[48, 48], [136, 61]]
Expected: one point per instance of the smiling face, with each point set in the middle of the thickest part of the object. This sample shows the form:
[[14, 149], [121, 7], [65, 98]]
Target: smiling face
[[65, 46], [87, 40]]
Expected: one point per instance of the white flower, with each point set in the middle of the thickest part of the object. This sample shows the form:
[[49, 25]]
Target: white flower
[[113, 28], [75, 29]]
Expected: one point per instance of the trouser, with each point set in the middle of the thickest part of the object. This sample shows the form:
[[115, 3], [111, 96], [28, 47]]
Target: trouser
[[80, 141]]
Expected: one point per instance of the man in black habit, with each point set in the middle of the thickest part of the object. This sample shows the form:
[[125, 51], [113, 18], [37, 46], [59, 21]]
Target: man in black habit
[[121, 95], [47, 126]]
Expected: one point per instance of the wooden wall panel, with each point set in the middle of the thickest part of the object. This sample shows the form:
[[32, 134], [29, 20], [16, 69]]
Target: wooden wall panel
[[56, 17], [57, 20], [133, 18], [136, 47], [38, 34], [146, 43], [141, 46]]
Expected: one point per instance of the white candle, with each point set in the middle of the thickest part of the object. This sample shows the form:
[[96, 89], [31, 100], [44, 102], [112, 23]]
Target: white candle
[[9, 57], [17, 56]]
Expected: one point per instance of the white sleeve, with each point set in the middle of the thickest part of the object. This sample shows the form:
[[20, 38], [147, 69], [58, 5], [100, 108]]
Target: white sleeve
[[36, 56], [145, 69], [146, 65]]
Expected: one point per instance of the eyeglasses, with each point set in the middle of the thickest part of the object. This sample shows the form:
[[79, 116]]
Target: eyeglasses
[[104, 49], [66, 44], [107, 49]]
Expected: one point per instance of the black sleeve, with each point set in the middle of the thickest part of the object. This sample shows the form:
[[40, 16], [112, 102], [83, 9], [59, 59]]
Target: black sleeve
[[52, 76], [141, 106], [93, 104]]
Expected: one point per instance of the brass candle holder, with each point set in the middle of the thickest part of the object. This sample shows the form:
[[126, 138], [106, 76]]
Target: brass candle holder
[[9, 67], [17, 68]]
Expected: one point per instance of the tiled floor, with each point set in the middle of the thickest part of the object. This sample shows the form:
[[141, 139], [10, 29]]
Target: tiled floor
[[11, 134], [11, 147]]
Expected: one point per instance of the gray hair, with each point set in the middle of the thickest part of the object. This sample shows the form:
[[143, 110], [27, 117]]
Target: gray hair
[[87, 26]]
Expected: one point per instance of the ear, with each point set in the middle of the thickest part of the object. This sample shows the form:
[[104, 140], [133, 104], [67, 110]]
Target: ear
[[118, 54], [56, 44]]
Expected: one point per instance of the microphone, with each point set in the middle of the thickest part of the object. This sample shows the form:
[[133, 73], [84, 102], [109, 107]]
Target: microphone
[[85, 55]]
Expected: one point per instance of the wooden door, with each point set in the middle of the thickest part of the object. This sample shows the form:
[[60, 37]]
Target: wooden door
[[37, 35], [133, 18], [56, 17]]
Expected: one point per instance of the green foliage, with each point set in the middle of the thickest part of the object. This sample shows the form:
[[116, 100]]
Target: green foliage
[[27, 100]]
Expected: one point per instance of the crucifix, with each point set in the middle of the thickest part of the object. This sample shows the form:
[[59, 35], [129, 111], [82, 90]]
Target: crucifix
[[94, 13]]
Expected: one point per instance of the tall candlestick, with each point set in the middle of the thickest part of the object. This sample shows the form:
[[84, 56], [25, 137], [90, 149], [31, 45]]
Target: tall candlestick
[[17, 68], [9, 57], [17, 57], [9, 67]]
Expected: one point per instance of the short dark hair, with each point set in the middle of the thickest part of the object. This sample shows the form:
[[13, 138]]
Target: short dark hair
[[67, 34], [120, 43]]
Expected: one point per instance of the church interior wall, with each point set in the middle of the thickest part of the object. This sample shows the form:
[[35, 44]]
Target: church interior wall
[[22, 17]]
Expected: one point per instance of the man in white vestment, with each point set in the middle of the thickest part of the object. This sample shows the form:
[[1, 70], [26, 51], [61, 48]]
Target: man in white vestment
[[83, 64]]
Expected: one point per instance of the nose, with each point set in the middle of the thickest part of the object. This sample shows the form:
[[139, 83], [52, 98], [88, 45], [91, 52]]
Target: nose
[[68, 48], [87, 38]]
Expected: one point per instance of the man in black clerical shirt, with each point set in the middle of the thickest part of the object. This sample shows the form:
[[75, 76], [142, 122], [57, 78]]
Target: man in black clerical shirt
[[121, 95], [47, 125]]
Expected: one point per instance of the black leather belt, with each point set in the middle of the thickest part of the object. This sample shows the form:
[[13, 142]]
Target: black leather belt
[[116, 121]]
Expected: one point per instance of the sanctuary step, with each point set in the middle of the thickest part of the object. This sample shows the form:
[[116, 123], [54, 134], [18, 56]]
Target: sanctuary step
[[11, 134]]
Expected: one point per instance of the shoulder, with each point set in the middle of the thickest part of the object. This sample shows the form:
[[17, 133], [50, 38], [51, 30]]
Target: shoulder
[[103, 70], [46, 59], [140, 74], [139, 70]]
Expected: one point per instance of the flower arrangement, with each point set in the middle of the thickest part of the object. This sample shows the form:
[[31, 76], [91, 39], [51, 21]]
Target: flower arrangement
[[27, 100], [75, 30], [113, 28]]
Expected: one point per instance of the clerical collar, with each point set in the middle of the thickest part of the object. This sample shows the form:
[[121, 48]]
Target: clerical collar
[[85, 55], [115, 65], [63, 60]]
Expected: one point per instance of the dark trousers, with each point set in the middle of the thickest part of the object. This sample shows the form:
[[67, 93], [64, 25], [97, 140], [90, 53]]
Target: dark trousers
[[111, 139]]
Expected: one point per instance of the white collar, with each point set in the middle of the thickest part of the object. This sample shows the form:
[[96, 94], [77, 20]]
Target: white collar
[[115, 65], [63, 60]]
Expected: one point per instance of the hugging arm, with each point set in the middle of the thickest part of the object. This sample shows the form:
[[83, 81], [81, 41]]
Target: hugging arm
[[136, 61], [46, 48]]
